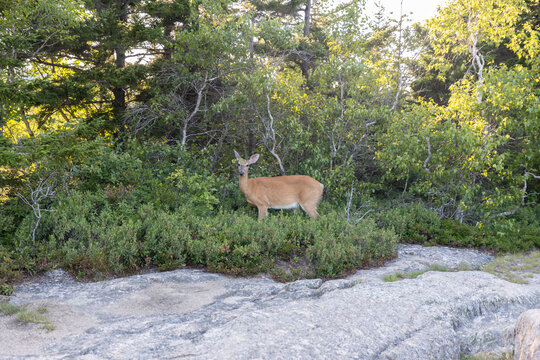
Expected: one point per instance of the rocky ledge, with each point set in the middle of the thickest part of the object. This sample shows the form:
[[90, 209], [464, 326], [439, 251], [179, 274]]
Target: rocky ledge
[[192, 314]]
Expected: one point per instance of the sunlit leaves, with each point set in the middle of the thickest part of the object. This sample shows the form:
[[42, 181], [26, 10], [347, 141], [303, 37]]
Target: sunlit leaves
[[464, 24], [478, 153], [526, 43]]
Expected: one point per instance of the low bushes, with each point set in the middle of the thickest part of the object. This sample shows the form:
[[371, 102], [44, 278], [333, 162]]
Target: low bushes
[[417, 224], [94, 236], [242, 245], [413, 223]]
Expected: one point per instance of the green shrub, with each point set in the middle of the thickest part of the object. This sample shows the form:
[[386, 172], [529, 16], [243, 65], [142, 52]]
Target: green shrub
[[120, 244], [512, 234], [417, 224], [8, 270], [95, 234], [199, 190], [341, 247], [413, 223], [453, 233], [230, 243], [6, 289], [163, 238], [103, 166], [243, 245], [12, 214]]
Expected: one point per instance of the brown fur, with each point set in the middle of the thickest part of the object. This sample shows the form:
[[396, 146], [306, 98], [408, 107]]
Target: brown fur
[[279, 191]]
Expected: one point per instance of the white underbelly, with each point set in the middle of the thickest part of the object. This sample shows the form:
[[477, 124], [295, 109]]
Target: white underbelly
[[290, 206]]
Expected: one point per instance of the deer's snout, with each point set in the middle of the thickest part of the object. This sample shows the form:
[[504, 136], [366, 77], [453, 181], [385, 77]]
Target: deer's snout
[[241, 170]]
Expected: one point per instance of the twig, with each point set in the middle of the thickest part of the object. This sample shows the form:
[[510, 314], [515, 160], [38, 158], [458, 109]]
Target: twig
[[429, 154], [349, 201], [271, 133], [42, 191], [523, 196]]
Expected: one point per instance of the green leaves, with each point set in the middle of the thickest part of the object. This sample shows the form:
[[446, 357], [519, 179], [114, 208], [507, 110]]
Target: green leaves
[[473, 145], [199, 190], [467, 23]]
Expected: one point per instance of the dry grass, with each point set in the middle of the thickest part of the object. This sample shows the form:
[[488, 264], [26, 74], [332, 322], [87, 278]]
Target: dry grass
[[26, 315], [504, 356], [516, 268], [414, 274]]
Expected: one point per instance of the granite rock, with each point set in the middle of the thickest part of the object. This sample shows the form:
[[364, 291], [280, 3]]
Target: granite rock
[[527, 336], [192, 314]]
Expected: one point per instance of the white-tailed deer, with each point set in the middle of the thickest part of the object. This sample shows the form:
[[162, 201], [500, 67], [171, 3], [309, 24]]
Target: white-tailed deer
[[280, 192]]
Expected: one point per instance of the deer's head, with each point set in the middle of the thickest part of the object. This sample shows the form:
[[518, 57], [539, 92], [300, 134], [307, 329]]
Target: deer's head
[[244, 164]]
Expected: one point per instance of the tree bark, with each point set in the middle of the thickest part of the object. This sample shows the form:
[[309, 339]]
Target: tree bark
[[119, 93], [167, 54], [400, 74], [304, 63], [307, 18], [27, 125]]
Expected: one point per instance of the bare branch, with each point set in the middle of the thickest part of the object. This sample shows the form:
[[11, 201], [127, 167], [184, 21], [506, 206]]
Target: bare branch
[[271, 133], [348, 207], [43, 190], [43, 62], [400, 79], [44, 44], [187, 120], [523, 197], [429, 154]]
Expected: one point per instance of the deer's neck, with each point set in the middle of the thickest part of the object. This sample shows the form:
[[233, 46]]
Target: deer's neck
[[243, 182]]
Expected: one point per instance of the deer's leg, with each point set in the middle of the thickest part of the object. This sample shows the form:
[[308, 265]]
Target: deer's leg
[[310, 209], [262, 211]]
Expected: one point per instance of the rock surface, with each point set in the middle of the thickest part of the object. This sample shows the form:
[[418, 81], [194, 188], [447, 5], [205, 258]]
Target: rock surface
[[197, 315], [527, 336]]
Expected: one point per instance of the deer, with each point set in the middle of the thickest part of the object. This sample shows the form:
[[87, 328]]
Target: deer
[[278, 192]]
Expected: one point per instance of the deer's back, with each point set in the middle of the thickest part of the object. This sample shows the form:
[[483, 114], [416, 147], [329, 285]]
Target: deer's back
[[284, 191]]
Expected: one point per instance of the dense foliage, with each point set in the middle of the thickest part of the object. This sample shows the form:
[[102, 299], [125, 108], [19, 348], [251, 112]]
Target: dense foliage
[[119, 118]]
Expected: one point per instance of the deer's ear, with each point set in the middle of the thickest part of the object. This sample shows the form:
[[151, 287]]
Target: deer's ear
[[238, 157], [253, 159]]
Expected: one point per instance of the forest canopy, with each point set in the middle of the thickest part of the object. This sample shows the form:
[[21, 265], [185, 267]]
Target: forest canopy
[[119, 119]]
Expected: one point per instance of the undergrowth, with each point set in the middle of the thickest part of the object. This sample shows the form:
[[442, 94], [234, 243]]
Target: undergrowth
[[416, 224], [95, 238], [120, 230]]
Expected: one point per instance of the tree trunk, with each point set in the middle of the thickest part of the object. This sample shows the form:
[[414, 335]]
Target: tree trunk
[[307, 18], [119, 93], [304, 63], [399, 72], [167, 54], [119, 102], [27, 125]]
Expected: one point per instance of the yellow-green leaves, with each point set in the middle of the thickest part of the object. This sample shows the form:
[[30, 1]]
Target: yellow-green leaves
[[467, 24]]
